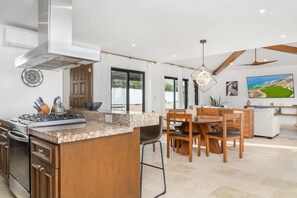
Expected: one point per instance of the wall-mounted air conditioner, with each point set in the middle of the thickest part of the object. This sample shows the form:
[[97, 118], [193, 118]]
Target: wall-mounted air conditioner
[[18, 37]]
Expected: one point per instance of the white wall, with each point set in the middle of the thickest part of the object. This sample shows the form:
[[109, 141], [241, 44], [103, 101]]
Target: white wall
[[16, 98], [154, 84], [239, 101]]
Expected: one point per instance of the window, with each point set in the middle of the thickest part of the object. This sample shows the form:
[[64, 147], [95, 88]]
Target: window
[[127, 90], [171, 93], [185, 92], [195, 94]]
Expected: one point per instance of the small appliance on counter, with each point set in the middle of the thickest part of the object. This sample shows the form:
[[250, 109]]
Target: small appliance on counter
[[41, 107], [58, 108]]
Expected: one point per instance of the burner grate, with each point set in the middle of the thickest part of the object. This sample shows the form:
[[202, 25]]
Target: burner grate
[[47, 118]]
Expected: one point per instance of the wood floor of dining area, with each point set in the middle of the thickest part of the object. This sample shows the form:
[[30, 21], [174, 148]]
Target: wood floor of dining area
[[268, 169]]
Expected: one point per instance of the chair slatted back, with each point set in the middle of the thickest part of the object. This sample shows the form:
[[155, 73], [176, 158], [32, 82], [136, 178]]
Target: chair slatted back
[[180, 111], [232, 122], [176, 110], [235, 118], [180, 117]]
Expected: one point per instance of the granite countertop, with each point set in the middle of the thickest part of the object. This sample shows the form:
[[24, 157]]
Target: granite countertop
[[4, 122], [95, 126], [123, 118], [76, 132]]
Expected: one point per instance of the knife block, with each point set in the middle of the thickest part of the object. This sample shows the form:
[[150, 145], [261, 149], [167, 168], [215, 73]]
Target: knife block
[[44, 110]]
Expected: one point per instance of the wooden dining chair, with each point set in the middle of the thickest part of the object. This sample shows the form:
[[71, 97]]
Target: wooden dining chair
[[188, 135], [232, 125], [208, 112], [225, 136], [173, 123]]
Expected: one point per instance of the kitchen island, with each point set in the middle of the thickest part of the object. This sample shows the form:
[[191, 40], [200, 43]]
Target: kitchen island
[[94, 159]]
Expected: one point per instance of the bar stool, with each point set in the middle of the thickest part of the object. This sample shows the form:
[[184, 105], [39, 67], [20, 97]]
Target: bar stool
[[151, 135]]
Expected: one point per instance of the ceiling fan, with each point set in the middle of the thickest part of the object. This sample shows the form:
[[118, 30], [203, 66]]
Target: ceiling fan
[[256, 63]]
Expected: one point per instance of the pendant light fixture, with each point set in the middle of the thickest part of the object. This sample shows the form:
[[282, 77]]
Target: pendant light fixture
[[202, 77]]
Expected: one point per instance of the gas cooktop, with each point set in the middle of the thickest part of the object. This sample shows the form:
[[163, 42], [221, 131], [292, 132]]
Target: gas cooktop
[[36, 120]]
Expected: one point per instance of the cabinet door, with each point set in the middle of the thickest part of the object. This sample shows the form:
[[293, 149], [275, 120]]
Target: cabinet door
[[48, 181], [1, 155], [35, 178]]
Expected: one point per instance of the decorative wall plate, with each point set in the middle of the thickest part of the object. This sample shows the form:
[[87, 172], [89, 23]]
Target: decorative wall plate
[[32, 77]]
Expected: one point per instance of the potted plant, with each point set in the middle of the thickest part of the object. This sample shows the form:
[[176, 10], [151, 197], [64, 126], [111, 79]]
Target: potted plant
[[216, 103]]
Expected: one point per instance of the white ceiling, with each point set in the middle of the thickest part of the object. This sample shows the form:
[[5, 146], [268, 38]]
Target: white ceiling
[[163, 28], [212, 62]]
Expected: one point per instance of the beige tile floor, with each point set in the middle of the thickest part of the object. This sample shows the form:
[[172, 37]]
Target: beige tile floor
[[4, 191], [268, 169]]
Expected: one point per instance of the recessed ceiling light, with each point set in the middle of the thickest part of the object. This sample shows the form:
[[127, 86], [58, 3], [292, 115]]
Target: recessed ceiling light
[[173, 55], [265, 59], [262, 11], [133, 45], [283, 36], [231, 63]]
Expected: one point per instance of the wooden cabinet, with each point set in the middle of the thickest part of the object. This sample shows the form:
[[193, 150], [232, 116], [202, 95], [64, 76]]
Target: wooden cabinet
[[44, 174], [44, 180], [248, 130], [4, 148], [248, 123], [99, 167]]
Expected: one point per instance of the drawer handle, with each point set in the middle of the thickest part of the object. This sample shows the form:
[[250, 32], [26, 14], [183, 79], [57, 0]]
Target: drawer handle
[[4, 129], [41, 169], [40, 150]]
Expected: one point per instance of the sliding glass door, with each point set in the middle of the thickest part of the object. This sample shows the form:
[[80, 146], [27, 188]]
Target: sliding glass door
[[171, 93], [127, 90], [136, 91]]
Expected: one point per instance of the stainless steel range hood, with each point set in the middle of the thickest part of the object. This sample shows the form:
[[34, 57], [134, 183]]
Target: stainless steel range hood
[[55, 49]]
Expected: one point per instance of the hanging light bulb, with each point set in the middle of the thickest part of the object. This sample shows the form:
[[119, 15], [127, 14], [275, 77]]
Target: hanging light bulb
[[203, 77]]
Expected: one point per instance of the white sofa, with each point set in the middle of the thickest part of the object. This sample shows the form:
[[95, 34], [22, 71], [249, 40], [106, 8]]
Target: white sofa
[[266, 124]]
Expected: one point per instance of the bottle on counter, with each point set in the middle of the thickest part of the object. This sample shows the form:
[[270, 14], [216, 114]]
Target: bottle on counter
[[248, 103]]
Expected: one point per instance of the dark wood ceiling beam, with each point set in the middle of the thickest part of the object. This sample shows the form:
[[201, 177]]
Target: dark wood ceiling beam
[[283, 48], [227, 62]]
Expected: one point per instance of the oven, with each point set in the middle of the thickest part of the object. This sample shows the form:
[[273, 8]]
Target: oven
[[19, 142], [19, 153]]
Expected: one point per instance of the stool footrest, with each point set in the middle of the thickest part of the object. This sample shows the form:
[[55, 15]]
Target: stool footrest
[[151, 165]]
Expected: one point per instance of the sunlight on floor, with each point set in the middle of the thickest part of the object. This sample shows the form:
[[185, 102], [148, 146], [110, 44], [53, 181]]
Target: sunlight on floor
[[293, 148]]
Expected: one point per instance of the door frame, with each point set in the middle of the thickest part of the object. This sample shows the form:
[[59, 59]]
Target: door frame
[[127, 89]]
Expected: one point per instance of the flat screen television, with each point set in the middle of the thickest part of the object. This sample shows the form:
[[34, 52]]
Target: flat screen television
[[271, 86]]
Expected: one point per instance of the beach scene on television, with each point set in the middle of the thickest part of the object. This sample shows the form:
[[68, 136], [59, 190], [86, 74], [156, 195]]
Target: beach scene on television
[[272, 86]]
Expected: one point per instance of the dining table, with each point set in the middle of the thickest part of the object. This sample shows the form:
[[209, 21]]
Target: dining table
[[202, 124]]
